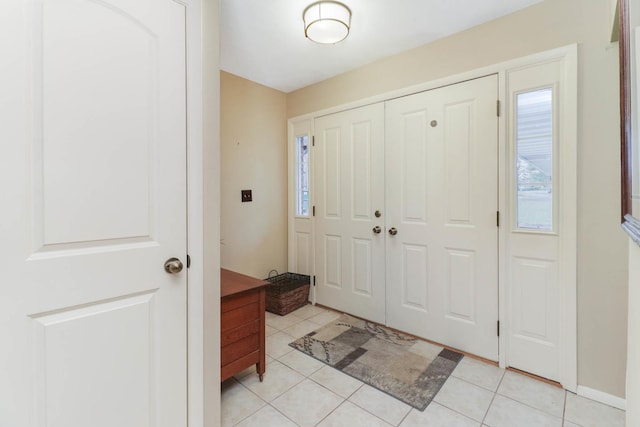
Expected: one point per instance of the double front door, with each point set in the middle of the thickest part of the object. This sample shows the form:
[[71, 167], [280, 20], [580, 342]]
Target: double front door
[[406, 204]]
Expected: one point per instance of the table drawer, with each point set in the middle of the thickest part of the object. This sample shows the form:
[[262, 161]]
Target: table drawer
[[240, 348], [232, 302], [239, 316], [236, 334]]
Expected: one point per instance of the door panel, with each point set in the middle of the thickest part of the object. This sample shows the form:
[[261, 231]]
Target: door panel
[[79, 361], [413, 174], [303, 258], [333, 261], [441, 170], [461, 286], [332, 182], [362, 254], [81, 210], [535, 307], [361, 171], [415, 277], [349, 189], [534, 281], [94, 100], [458, 140]]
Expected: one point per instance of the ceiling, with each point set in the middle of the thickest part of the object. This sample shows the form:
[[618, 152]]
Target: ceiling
[[263, 40]]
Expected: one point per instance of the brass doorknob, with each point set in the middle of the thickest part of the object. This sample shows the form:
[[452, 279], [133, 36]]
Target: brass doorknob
[[377, 229], [173, 266], [393, 231]]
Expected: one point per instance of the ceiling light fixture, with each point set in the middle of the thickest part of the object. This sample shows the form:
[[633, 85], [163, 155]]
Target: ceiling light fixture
[[326, 22]]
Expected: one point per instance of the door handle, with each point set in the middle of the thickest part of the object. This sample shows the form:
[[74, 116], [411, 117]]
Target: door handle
[[393, 231], [377, 229], [173, 266]]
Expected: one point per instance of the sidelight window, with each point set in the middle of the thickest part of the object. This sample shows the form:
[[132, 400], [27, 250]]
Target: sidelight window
[[302, 175], [534, 159]]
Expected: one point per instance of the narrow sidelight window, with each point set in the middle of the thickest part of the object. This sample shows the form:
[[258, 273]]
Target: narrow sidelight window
[[302, 175], [534, 159]]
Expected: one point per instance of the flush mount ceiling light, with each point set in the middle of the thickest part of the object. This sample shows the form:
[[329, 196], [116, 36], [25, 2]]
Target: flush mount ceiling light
[[326, 22]]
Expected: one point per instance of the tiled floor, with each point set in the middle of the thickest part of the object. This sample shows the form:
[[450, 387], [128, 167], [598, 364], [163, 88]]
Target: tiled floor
[[301, 391]]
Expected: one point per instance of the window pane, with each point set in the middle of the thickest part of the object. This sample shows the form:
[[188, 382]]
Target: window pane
[[302, 176], [534, 160]]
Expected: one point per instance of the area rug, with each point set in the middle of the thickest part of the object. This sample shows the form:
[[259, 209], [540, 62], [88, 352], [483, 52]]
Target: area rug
[[406, 368]]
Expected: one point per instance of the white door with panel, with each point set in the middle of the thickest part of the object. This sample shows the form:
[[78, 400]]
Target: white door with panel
[[93, 202], [349, 189], [441, 201], [542, 200]]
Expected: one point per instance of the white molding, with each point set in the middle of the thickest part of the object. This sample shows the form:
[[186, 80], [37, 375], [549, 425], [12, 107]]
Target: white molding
[[195, 226], [503, 208], [208, 156], [291, 203], [602, 397], [569, 222], [195, 215], [569, 55]]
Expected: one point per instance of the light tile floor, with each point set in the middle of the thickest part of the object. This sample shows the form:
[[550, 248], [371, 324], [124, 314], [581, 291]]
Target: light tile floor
[[300, 391]]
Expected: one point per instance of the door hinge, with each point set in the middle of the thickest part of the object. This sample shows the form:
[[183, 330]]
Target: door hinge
[[314, 280], [188, 261], [497, 218], [314, 210], [498, 108], [313, 141], [498, 328]]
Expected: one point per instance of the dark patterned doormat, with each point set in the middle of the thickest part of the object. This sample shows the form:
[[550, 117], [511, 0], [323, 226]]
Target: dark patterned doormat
[[406, 368]]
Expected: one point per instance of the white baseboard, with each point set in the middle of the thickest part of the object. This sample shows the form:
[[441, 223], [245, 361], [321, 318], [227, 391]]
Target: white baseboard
[[602, 397]]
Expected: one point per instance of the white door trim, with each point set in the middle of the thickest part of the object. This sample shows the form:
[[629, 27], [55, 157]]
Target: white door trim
[[202, 51], [569, 220], [195, 281], [569, 56]]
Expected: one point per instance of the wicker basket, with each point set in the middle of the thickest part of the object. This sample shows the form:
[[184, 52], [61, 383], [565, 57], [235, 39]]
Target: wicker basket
[[287, 292]]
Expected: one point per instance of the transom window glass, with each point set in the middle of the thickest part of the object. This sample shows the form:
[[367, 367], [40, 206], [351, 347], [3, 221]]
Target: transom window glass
[[534, 159], [302, 175]]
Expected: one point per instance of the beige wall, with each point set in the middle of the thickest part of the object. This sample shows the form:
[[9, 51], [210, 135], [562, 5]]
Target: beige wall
[[633, 352], [254, 156], [602, 246]]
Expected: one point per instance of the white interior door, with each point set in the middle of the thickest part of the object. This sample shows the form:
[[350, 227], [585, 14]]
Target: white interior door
[[442, 198], [93, 202], [349, 189]]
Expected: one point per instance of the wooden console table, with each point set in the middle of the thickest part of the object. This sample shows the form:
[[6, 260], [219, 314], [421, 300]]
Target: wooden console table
[[242, 338]]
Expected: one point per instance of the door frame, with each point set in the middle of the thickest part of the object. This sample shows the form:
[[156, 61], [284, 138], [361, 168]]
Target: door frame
[[203, 212], [568, 248]]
